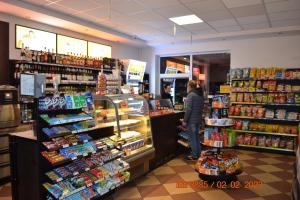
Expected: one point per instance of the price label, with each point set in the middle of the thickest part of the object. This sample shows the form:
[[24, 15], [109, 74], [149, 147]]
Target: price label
[[58, 180], [65, 146], [87, 169], [85, 141], [89, 185], [74, 143], [74, 158], [85, 154], [75, 173]]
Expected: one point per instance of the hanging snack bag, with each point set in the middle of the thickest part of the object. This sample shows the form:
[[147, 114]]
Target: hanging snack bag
[[240, 97], [262, 141], [282, 143], [290, 144], [254, 140], [246, 73], [233, 97], [275, 142]]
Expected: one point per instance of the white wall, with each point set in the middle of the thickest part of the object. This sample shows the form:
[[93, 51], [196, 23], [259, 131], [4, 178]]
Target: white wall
[[259, 52], [118, 50], [272, 51]]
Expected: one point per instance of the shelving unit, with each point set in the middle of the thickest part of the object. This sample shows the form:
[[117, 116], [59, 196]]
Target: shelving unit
[[272, 87], [217, 155], [95, 160]]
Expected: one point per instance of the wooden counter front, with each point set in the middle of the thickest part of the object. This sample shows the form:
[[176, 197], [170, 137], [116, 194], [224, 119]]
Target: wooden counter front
[[164, 132]]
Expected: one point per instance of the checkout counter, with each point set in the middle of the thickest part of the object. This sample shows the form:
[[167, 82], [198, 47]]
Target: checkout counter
[[164, 123]]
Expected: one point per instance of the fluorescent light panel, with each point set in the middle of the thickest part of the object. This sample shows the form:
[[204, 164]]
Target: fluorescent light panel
[[187, 19]]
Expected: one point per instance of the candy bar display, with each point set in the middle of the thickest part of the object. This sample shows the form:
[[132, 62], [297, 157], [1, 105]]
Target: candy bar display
[[213, 164], [214, 138], [261, 112], [263, 98], [65, 118], [267, 141]]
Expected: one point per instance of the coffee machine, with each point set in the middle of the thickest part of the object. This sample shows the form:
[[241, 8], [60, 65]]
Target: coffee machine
[[9, 107]]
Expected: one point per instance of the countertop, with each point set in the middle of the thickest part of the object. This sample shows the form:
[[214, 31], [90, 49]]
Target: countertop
[[20, 128], [25, 134]]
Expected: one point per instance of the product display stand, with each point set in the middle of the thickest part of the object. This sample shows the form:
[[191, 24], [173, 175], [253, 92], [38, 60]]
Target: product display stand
[[218, 164], [77, 159], [264, 103]]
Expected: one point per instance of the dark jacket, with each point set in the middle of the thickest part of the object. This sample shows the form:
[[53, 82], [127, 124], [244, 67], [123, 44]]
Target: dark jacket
[[165, 95], [194, 107]]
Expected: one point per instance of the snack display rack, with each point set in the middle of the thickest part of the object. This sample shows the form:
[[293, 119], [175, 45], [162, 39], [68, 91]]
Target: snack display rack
[[218, 163], [264, 103]]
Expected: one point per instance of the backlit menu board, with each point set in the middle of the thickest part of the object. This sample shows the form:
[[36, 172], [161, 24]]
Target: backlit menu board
[[35, 39], [136, 70], [97, 50], [67, 45]]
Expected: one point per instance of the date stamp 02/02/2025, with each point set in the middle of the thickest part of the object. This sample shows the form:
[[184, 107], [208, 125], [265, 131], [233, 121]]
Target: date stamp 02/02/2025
[[219, 184]]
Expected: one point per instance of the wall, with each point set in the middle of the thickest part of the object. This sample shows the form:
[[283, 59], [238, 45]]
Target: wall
[[279, 51], [118, 50], [259, 52]]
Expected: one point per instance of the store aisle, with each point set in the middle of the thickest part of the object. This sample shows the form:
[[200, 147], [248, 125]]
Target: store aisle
[[274, 170]]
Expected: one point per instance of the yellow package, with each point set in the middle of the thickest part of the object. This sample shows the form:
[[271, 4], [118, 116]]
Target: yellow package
[[252, 72], [263, 73], [258, 72]]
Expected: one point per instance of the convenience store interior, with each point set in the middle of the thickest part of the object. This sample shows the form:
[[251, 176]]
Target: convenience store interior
[[83, 114]]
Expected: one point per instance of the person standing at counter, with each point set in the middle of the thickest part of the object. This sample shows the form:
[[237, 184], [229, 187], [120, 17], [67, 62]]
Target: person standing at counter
[[193, 118], [166, 92]]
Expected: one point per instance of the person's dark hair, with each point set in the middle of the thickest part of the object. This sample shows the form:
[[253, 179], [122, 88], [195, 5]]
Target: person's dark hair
[[166, 85], [200, 91]]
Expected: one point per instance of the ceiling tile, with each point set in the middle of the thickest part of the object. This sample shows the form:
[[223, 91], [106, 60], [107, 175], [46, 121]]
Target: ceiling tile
[[289, 22], [170, 30], [253, 19], [62, 9], [159, 24], [189, 1], [126, 6], [158, 3], [215, 15], [283, 6], [222, 23], [199, 26], [206, 6], [204, 32], [78, 4], [241, 3], [229, 29], [255, 26], [174, 11], [292, 14], [98, 13], [147, 16], [248, 11]]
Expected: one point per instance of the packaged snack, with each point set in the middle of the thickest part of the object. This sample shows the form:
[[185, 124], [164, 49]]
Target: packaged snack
[[252, 72], [246, 73], [247, 97], [288, 74], [294, 130], [262, 141], [268, 142], [247, 139], [258, 98], [275, 142], [280, 87], [241, 85], [269, 113], [233, 97], [252, 86], [282, 143], [243, 111], [265, 85], [296, 88], [264, 98], [290, 98], [260, 112], [258, 85], [51, 145], [292, 115], [263, 73], [249, 111], [280, 114], [272, 86], [254, 140], [240, 97], [245, 125], [231, 110], [258, 73], [239, 125], [290, 144], [297, 98], [261, 127], [288, 88], [252, 97], [279, 73], [254, 111], [237, 110], [271, 98]]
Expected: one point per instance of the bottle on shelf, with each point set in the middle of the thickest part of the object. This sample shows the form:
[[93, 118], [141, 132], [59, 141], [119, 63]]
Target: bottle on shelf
[[45, 57], [22, 52], [49, 57], [53, 59]]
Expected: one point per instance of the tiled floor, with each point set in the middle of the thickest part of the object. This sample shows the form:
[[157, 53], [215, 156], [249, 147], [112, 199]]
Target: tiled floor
[[273, 170]]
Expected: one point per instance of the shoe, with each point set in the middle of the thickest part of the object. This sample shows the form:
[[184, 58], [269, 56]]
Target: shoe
[[190, 157]]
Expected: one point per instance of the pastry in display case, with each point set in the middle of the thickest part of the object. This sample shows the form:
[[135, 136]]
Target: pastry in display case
[[129, 115], [161, 107]]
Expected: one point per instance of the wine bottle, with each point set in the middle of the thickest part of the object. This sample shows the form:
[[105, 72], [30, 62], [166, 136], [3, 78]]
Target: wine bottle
[[49, 56], [53, 57]]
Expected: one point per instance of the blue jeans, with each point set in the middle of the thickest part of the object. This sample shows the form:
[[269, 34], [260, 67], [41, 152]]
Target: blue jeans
[[194, 139]]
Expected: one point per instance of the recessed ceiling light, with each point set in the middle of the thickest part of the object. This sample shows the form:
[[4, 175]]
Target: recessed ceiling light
[[187, 19]]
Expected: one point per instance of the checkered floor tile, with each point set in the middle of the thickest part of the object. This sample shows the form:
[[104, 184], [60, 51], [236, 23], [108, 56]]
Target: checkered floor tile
[[273, 171]]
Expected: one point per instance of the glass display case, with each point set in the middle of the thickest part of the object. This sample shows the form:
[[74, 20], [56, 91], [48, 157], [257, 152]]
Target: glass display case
[[160, 107], [129, 115]]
